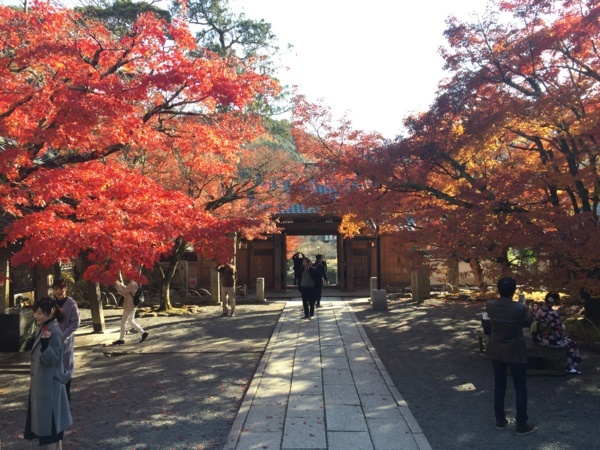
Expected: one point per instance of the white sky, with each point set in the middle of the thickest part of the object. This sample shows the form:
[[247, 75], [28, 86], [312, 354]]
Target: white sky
[[377, 61]]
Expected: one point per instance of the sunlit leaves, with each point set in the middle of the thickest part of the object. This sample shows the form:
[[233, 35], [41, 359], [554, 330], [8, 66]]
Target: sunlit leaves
[[505, 158], [115, 143]]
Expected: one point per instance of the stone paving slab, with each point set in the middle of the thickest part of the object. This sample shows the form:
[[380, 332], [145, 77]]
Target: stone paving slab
[[341, 394], [321, 385], [307, 385], [344, 440], [345, 418], [303, 432]]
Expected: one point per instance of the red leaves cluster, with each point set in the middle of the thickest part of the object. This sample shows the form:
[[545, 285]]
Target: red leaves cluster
[[122, 220], [112, 145]]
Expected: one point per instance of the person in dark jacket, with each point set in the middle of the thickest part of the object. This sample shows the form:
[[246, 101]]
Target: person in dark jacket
[[309, 279], [48, 412], [506, 349], [228, 274], [297, 267], [321, 266]]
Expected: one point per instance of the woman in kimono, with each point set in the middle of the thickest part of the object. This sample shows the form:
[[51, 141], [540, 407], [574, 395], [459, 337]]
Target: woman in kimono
[[48, 413], [548, 330]]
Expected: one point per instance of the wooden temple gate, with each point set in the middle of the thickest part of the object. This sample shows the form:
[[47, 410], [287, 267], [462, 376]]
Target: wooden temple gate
[[357, 257]]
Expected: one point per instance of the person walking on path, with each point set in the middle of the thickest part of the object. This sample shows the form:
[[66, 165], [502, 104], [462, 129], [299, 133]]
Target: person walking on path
[[48, 412], [297, 259], [507, 349], [321, 266], [129, 309], [548, 330], [67, 326], [309, 279], [227, 272]]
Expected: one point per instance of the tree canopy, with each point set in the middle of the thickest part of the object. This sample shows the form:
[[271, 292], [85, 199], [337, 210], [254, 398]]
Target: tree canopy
[[503, 166], [106, 138]]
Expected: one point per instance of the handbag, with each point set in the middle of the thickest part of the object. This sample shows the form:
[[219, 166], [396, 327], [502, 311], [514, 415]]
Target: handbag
[[539, 327]]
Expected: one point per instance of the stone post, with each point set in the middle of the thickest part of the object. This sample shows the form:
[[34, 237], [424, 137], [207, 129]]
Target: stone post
[[373, 285], [379, 299], [420, 286], [260, 290]]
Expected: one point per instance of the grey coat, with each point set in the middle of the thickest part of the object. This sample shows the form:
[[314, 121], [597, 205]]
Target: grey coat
[[506, 341], [68, 328], [48, 395]]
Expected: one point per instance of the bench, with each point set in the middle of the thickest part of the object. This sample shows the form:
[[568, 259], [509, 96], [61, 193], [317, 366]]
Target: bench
[[16, 368], [540, 360]]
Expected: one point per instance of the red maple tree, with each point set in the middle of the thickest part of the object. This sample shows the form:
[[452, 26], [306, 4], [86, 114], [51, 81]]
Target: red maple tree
[[100, 134], [501, 171]]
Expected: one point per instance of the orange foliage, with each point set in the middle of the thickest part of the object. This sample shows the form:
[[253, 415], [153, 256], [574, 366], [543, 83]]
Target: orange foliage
[[81, 111], [503, 164]]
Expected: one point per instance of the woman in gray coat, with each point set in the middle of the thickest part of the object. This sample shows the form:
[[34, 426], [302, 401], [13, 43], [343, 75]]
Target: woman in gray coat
[[48, 413]]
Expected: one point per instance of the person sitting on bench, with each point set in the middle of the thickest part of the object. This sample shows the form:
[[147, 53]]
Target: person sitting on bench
[[548, 330]]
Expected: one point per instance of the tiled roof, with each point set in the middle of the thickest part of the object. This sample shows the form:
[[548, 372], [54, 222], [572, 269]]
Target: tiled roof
[[298, 209]]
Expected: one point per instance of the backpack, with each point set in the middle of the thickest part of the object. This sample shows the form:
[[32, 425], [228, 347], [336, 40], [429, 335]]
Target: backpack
[[138, 297]]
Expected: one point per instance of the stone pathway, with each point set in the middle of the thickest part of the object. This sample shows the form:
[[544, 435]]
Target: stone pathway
[[321, 385]]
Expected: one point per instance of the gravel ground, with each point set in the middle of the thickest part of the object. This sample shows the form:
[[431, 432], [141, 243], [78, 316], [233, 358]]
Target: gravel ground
[[181, 389], [433, 357]]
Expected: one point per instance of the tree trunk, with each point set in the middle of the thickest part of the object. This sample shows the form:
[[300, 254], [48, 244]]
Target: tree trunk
[[94, 299], [453, 275], [168, 273], [475, 265], [56, 270], [93, 295]]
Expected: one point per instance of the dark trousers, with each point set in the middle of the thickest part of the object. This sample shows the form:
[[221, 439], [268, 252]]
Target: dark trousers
[[308, 300], [297, 277], [318, 293], [519, 375]]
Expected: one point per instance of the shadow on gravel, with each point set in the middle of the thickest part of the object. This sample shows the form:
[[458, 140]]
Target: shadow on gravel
[[432, 355], [180, 389]]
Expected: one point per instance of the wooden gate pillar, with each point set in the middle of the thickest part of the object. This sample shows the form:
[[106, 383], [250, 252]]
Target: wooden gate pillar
[[278, 258]]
